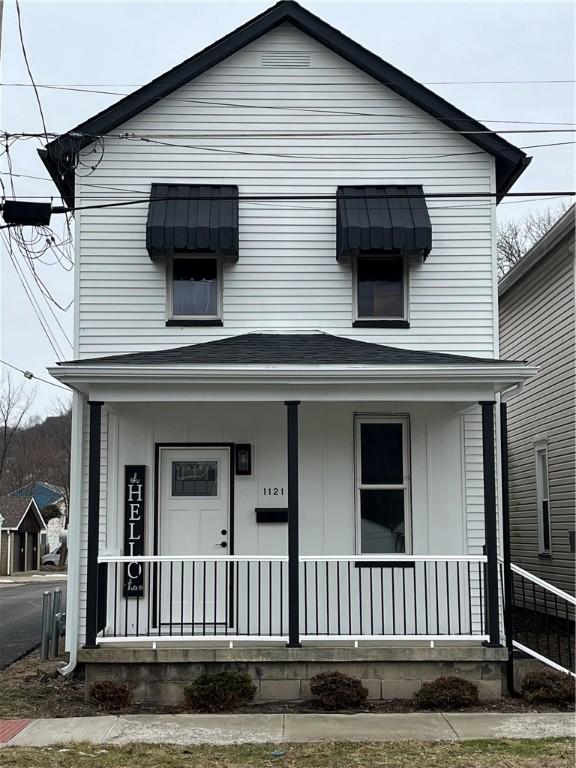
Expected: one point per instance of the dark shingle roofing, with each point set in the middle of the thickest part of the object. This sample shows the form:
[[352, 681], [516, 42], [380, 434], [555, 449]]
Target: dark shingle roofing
[[12, 508], [42, 493], [286, 349], [58, 155]]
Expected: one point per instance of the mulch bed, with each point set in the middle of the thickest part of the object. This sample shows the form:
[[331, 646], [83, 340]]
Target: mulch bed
[[31, 690]]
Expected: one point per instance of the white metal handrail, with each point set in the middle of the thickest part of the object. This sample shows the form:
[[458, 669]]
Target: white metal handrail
[[543, 659], [193, 559], [284, 558], [393, 558], [544, 584]]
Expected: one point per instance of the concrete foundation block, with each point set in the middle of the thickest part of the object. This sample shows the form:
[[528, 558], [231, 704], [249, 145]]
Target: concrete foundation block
[[400, 689], [171, 694], [305, 692], [285, 674], [491, 671], [374, 689], [489, 689], [279, 690]]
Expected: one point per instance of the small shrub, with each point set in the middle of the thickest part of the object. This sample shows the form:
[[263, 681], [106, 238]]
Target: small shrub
[[447, 693], [111, 695], [548, 687], [336, 690], [219, 691]]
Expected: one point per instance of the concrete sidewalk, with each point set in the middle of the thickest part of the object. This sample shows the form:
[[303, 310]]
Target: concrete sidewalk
[[34, 577], [276, 729]]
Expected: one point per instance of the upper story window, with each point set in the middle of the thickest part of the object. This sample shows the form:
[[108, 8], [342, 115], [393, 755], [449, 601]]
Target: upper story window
[[195, 290], [381, 291]]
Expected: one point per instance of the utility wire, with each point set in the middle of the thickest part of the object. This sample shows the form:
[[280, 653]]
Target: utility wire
[[146, 198], [365, 157], [29, 375], [388, 82], [288, 135], [276, 107], [32, 299], [25, 55]]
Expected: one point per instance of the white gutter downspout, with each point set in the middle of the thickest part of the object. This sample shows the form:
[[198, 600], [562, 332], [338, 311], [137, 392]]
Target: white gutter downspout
[[74, 528], [515, 389]]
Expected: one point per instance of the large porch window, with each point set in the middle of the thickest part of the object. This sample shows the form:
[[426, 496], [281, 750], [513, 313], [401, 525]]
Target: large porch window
[[382, 485]]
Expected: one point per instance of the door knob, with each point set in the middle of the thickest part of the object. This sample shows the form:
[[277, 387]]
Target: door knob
[[223, 531], [223, 543]]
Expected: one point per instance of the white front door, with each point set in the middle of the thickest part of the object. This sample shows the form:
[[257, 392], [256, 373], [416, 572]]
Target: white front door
[[193, 520]]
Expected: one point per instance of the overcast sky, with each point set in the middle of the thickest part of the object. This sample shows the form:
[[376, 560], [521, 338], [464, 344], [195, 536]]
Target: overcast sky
[[129, 43]]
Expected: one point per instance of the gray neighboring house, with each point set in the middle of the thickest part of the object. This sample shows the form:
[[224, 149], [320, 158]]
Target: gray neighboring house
[[537, 324]]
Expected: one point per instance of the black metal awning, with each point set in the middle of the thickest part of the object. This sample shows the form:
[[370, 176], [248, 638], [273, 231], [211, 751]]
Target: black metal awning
[[192, 218], [393, 219]]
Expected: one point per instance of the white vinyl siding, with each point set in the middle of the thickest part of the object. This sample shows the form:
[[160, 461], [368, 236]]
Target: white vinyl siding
[[287, 276], [327, 520]]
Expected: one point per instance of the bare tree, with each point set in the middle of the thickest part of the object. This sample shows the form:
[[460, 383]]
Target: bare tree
[[515, 238], [15, 404]]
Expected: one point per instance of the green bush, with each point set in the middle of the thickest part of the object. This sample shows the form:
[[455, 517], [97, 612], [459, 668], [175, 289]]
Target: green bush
[[447, 693], [336, 690], [219, 691], [111, 695], [548, 687]]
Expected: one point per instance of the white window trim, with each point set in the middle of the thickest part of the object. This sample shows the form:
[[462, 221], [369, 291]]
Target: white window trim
[[405, 287], [542, 495], [360, 419], [170, 286]]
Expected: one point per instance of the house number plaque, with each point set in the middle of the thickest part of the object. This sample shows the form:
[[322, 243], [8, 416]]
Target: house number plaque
[[134, 506], [276, 491]]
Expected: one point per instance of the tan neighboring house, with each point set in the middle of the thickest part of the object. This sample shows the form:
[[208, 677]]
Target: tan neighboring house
[[537, 324]]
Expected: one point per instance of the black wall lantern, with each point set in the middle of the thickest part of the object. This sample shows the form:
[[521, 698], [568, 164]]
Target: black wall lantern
[[243, 459]]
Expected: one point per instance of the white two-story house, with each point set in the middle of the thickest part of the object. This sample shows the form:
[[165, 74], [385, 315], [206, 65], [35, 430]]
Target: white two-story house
[[286, 368]]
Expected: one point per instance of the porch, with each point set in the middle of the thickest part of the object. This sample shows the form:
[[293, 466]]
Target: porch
[[239, 492], [293, 551]]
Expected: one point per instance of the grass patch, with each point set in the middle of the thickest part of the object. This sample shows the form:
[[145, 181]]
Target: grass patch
[[537, 753]]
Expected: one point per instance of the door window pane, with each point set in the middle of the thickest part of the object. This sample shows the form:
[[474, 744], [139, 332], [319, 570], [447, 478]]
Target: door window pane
[[381, 452], [382, 521], [380, 287], [194, 478], [195, 287]]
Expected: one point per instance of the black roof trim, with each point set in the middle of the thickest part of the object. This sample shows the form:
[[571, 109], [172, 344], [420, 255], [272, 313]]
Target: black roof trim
[[287, 349], [58, 155]]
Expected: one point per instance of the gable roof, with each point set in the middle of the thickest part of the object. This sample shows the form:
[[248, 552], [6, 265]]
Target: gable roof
[[43, 494], [286, 349], [547, 245], [58, 155], [13, 510]]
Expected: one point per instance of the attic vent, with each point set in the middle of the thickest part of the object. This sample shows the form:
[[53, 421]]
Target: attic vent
[[285, 59]]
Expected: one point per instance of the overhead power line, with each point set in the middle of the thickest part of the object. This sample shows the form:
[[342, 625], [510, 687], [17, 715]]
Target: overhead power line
[[32, 377], [25, 55], [250, 133], [279, 107], [119, 202], [387, 82]]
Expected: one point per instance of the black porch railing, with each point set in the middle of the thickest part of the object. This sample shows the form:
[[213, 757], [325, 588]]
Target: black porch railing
[[542, 619], [244, 597], [197, 597]]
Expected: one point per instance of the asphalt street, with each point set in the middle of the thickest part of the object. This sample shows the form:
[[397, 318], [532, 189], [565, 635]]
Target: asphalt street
[[21, 617]]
